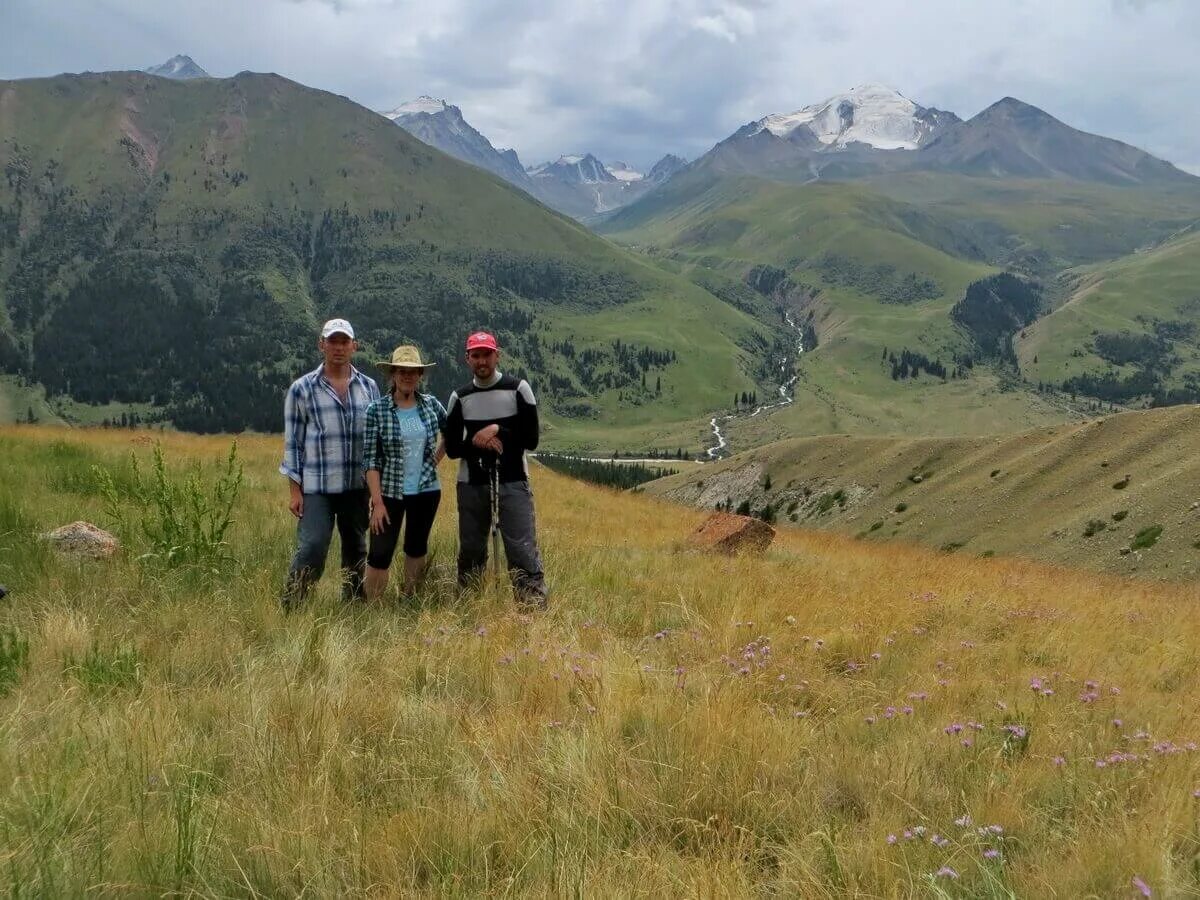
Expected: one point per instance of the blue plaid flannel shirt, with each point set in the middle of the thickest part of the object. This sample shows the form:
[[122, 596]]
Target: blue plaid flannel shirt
[[322, 437], [385, 445]]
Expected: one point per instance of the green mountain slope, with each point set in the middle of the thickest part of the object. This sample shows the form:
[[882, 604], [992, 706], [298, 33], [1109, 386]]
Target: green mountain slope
[[175, 244], [1124, 325], [1077, 494], [879, 264]]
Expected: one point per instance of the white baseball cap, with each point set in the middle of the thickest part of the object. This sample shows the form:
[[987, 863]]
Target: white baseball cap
[[337, 326]]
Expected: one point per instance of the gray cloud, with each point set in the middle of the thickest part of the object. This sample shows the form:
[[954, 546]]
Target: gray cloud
[[633, 82]]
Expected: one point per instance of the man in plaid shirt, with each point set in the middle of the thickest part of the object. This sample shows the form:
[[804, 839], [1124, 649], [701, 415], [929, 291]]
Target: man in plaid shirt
[[324, 417]]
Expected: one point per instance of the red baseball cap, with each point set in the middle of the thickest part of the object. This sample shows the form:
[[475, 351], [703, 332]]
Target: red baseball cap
[[481, 340]]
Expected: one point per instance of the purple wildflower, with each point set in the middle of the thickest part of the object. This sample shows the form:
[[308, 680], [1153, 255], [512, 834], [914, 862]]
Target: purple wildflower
[[1143, 888], [963, 821], [991, 853], [1060, 760], [891, 839], [947, 872]]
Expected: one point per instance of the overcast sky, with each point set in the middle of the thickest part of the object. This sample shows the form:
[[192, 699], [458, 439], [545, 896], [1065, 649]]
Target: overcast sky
[[632, 81]]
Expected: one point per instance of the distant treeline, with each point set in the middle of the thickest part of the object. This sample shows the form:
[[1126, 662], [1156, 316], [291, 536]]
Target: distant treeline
[[911, 363], [881, 281], [1153, 358], [994, 309], [605, 472]]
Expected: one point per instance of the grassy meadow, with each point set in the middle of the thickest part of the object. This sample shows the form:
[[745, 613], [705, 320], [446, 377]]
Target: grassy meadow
[[835, 718]]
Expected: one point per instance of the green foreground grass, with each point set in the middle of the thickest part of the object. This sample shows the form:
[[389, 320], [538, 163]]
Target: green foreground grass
[[678, 724]]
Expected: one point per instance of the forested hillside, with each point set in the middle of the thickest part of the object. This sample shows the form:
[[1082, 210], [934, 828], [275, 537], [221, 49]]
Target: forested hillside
[[172, 246]]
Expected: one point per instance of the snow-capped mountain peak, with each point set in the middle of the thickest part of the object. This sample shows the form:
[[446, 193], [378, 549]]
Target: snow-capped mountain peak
[[575, 168], [423, 104], [623, 171], [180, 67], [870, 114]]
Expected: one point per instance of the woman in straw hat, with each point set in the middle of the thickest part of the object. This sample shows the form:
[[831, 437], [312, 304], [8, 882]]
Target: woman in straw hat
[[401, 455]]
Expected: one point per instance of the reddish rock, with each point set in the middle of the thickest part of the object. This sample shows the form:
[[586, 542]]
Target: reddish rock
[[83, 539], [729, 533]]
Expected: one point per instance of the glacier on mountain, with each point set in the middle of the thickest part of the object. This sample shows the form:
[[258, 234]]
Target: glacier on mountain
[[870, 114]]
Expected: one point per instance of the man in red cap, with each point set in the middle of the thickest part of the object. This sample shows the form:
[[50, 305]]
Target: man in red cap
[[491, 422]]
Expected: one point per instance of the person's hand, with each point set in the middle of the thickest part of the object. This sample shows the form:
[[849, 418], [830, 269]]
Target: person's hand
[[484, 437], [379, 516], [495, 446], [296, 501]]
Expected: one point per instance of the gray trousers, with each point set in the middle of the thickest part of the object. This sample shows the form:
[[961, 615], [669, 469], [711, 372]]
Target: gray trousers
[[313, 534], [517, 528]]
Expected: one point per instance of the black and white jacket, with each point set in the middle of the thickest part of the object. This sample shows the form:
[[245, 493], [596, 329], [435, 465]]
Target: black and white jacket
[[508, 402]]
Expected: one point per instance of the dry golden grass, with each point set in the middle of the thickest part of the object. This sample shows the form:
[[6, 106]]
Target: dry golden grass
[[167, 736], [1033, 493]]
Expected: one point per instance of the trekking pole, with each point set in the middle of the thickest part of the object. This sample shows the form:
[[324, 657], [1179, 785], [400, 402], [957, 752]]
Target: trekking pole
[[495, 492]]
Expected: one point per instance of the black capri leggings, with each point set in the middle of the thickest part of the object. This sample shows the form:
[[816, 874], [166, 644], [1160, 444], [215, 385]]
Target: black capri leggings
[[421, 508]]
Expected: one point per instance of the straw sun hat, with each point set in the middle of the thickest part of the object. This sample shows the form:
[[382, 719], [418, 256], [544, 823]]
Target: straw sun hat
[[406, 356]]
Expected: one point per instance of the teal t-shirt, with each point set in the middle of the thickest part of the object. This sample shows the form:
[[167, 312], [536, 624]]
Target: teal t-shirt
[[412, 430]]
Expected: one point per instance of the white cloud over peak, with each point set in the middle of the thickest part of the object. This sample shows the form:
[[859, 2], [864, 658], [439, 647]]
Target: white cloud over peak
[[664, 75]]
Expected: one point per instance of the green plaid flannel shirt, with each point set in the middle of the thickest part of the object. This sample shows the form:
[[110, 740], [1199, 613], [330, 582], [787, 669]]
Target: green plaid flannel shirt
[[384, 446]]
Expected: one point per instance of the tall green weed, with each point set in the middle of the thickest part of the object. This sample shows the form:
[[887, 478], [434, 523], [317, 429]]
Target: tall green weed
[[182, 522]]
